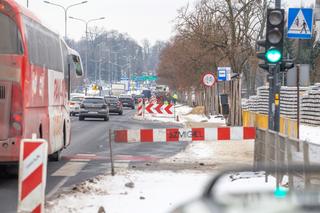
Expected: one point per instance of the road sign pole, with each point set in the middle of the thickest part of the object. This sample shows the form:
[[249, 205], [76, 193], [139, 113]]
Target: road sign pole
[[298, 91]]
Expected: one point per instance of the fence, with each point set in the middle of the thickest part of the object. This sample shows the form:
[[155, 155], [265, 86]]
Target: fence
[[275, 149]]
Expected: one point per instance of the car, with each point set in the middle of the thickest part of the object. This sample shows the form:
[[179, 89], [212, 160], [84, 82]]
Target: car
[[94, 107], [115, 106], [74, 105], [146, 93], [127, 101], [263, 188], [137, 97]]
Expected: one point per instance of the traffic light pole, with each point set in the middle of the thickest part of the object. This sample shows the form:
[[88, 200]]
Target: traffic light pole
[[274, 97], [271, 102]]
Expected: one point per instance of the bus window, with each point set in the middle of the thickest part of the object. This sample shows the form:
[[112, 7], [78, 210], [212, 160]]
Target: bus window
[[77, 63], [10, 38]]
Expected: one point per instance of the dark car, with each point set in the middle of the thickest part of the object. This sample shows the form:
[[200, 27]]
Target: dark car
[[127, 101], [146, 93], [94, 107], [137, 97], [115, 106]]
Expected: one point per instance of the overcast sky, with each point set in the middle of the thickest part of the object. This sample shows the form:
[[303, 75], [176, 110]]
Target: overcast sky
[[151, 19]]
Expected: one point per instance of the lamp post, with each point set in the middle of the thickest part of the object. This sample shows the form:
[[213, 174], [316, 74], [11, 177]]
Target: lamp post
[[65, 13], [87, 40]]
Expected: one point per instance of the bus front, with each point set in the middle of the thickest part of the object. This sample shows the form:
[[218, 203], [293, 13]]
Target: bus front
[[11, 78]]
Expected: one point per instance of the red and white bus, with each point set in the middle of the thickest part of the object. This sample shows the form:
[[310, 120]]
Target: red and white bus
[[35, 67]]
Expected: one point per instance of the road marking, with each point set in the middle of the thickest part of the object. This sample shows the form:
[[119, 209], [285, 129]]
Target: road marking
[[86, 155], [70, 169], [79, 160], [57, 187]]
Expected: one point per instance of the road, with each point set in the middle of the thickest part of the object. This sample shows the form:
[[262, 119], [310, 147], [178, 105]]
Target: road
[[88, 156]]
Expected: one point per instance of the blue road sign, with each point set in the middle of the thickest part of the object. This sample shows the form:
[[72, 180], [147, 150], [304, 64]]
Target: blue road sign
[[300, 23], [224, 73]]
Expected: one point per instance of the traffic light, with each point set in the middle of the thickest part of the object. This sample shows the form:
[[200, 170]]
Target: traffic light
[[274, 35], [286, 64], [273, 44], [261, 54]]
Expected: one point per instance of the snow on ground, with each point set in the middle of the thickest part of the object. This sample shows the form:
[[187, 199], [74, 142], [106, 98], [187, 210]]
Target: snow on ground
[[156, 187], [310, 134], [184, 115], [155, 192]]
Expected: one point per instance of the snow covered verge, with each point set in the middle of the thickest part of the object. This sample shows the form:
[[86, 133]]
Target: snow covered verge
[[183, 115], [310, 134]]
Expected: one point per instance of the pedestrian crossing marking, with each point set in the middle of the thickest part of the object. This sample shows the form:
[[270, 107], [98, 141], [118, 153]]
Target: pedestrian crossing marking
[[70, 169], [299, 25]]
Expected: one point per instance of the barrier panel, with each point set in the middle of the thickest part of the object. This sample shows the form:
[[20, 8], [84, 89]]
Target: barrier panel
[[32, 175], [287, 126], [184, 135], [140, 107]]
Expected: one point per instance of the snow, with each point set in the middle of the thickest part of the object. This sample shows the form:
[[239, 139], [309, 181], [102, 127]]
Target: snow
[[184, 115], [310, 134], [155, 192], [159, 187]]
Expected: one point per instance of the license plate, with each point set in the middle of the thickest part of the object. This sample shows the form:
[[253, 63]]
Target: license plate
[[93, 112]]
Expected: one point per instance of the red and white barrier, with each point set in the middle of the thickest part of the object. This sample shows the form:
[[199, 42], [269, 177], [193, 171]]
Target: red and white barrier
[[185, 135], [159, 108], [140, 107], [32, 175], [153, 100]]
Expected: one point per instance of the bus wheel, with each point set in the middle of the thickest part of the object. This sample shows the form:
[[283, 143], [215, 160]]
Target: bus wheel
[[55, 156]]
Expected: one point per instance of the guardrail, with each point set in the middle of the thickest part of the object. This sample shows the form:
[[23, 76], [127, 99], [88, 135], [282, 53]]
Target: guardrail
[[275, 149]]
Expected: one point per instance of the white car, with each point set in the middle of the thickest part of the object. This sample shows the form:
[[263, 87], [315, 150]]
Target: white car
[[74, 105]]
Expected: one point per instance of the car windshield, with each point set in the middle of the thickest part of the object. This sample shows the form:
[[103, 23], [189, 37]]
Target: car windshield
[[111, 99], [93, 101], [77, 99], [144, 102]]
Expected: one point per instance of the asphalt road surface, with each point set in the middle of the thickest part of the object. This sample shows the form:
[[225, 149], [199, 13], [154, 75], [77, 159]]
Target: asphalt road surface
[[88, 156]]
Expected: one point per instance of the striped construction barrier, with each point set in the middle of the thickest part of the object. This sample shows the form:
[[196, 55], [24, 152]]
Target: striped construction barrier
[[140, 107], [32, 175], [185, 135]]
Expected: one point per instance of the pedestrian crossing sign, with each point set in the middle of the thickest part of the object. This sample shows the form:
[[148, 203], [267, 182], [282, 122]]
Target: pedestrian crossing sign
[[300, 23]]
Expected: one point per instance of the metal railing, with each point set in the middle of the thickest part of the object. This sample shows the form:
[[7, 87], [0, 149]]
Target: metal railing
[[274, 149]]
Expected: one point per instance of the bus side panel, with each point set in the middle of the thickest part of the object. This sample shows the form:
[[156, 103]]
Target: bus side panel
[[58, 113], [36, 102]]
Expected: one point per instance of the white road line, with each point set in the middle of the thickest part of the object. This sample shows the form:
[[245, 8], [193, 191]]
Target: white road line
[[70, 169], [57, 187], [80, 160], [86, 155]]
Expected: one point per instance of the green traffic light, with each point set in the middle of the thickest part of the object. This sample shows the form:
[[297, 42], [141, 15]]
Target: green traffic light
[[273, 55]]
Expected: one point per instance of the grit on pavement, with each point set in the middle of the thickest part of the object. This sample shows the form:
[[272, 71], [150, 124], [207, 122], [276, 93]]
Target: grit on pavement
[[88, 156]]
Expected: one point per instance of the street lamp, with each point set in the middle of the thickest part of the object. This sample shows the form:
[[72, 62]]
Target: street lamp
[[87, 48], [65, 13]]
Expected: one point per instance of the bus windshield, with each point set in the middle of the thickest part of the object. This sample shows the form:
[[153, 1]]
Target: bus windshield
[[10, 38]]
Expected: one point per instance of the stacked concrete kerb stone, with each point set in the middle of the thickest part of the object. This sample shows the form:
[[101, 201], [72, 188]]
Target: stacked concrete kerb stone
[[288, 99], [263, 102], [310, 106], [309, 103]]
